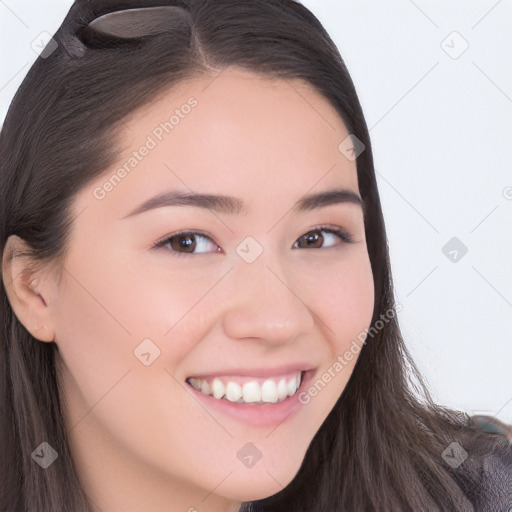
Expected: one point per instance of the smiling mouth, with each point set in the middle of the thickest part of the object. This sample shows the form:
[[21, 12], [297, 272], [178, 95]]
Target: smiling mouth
[[249, 390]]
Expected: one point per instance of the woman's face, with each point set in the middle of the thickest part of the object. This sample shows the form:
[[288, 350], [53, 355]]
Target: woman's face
[[259, 294]]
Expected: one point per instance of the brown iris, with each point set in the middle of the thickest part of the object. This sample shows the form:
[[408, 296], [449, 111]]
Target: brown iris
[[313, 237]]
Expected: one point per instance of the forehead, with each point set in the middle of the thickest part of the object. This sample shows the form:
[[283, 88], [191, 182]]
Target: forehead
[[237, 134]]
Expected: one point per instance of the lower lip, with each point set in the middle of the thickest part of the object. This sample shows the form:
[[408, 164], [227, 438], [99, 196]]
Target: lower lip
[[268, 415]]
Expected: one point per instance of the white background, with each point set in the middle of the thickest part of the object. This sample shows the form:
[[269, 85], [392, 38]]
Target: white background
[[441, 130]]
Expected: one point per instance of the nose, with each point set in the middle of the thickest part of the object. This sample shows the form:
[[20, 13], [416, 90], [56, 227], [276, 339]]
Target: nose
[[264, 304]]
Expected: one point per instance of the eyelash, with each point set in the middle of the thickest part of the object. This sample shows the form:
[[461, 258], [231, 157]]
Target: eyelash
[[343, 235]]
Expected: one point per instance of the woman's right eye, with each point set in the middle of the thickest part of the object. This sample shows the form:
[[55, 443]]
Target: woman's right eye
[[185, 243]]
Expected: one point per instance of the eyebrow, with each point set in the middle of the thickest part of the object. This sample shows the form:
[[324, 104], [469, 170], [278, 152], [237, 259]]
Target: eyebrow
[[234, 206]]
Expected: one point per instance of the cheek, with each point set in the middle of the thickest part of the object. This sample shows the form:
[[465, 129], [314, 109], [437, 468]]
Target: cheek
[[110, 303], [343, 298], [351, 304], [344, 305], [102, 314], [93, 336]]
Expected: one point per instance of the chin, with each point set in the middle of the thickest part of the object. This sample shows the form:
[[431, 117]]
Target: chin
[[245, 486]]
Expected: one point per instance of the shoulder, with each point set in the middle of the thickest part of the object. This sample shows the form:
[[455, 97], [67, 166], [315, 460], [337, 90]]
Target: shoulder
[[480, 462]]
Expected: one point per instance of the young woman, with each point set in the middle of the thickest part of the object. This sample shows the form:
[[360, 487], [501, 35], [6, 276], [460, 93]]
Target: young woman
[[198, 311]]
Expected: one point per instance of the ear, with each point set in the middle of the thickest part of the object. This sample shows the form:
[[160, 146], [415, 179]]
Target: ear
[[27, 289]]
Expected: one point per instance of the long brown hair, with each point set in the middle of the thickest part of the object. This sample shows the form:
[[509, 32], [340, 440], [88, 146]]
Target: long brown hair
[[380, 447]]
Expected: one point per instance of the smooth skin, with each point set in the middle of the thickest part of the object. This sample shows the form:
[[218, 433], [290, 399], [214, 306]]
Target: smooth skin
[[140, 439]]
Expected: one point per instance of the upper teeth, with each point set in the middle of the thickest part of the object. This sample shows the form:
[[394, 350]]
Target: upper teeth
[[270, 390]]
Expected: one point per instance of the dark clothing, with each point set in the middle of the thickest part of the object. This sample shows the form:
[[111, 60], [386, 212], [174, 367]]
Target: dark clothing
[[485, 476]]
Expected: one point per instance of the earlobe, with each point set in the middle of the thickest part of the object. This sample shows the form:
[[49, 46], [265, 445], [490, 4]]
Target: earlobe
[[26, 291]]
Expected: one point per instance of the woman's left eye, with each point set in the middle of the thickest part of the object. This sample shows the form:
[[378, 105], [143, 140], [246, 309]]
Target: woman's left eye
[[311, 237], [186, 242]]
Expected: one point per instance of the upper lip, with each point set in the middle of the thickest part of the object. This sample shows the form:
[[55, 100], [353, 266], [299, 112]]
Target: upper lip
[[262, 371]]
